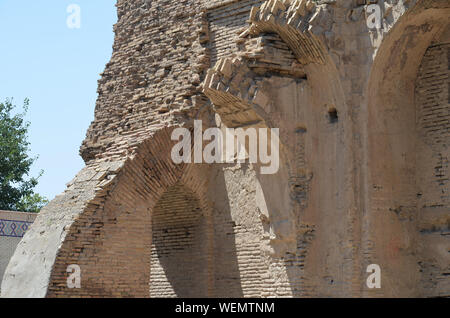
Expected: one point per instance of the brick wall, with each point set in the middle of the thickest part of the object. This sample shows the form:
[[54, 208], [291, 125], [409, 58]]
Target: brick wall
[[433, 173], [225, 22], [432, 96], [179, 263], [153, 77]]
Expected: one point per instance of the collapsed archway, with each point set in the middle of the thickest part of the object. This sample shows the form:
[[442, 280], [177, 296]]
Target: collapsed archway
[[283, 76]]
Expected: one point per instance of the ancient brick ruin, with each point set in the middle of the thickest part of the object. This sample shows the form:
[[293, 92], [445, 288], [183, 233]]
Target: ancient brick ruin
[[364, 121]]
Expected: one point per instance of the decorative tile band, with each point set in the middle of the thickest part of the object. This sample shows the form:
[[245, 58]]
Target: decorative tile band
[[12, 228]]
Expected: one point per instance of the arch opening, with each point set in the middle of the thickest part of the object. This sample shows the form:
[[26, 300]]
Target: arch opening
[[179, 255], [406, 103]]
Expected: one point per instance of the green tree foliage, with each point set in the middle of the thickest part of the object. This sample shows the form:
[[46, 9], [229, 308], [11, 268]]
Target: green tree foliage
[[16, 190]]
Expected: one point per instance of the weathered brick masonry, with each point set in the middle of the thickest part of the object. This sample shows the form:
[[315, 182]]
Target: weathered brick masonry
[[364, 121]]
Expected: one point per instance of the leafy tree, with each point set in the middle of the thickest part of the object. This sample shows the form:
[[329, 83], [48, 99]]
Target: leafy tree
[[16, 190]]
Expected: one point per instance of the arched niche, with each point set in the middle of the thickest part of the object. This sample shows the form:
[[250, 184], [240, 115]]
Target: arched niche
[[395, 160], [179, 255]]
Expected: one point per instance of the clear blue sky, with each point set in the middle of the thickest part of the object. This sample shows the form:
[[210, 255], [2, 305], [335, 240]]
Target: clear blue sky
[[57, 68]]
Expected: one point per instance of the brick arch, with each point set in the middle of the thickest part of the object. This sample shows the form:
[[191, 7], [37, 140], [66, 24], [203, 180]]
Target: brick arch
[[235, 101], [281, 72], [394, 149], [296, 28], [297, 22], [284, 46], [112, 243]]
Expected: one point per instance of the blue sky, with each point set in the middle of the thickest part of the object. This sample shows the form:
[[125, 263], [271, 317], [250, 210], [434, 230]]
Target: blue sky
[[57, 68]]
